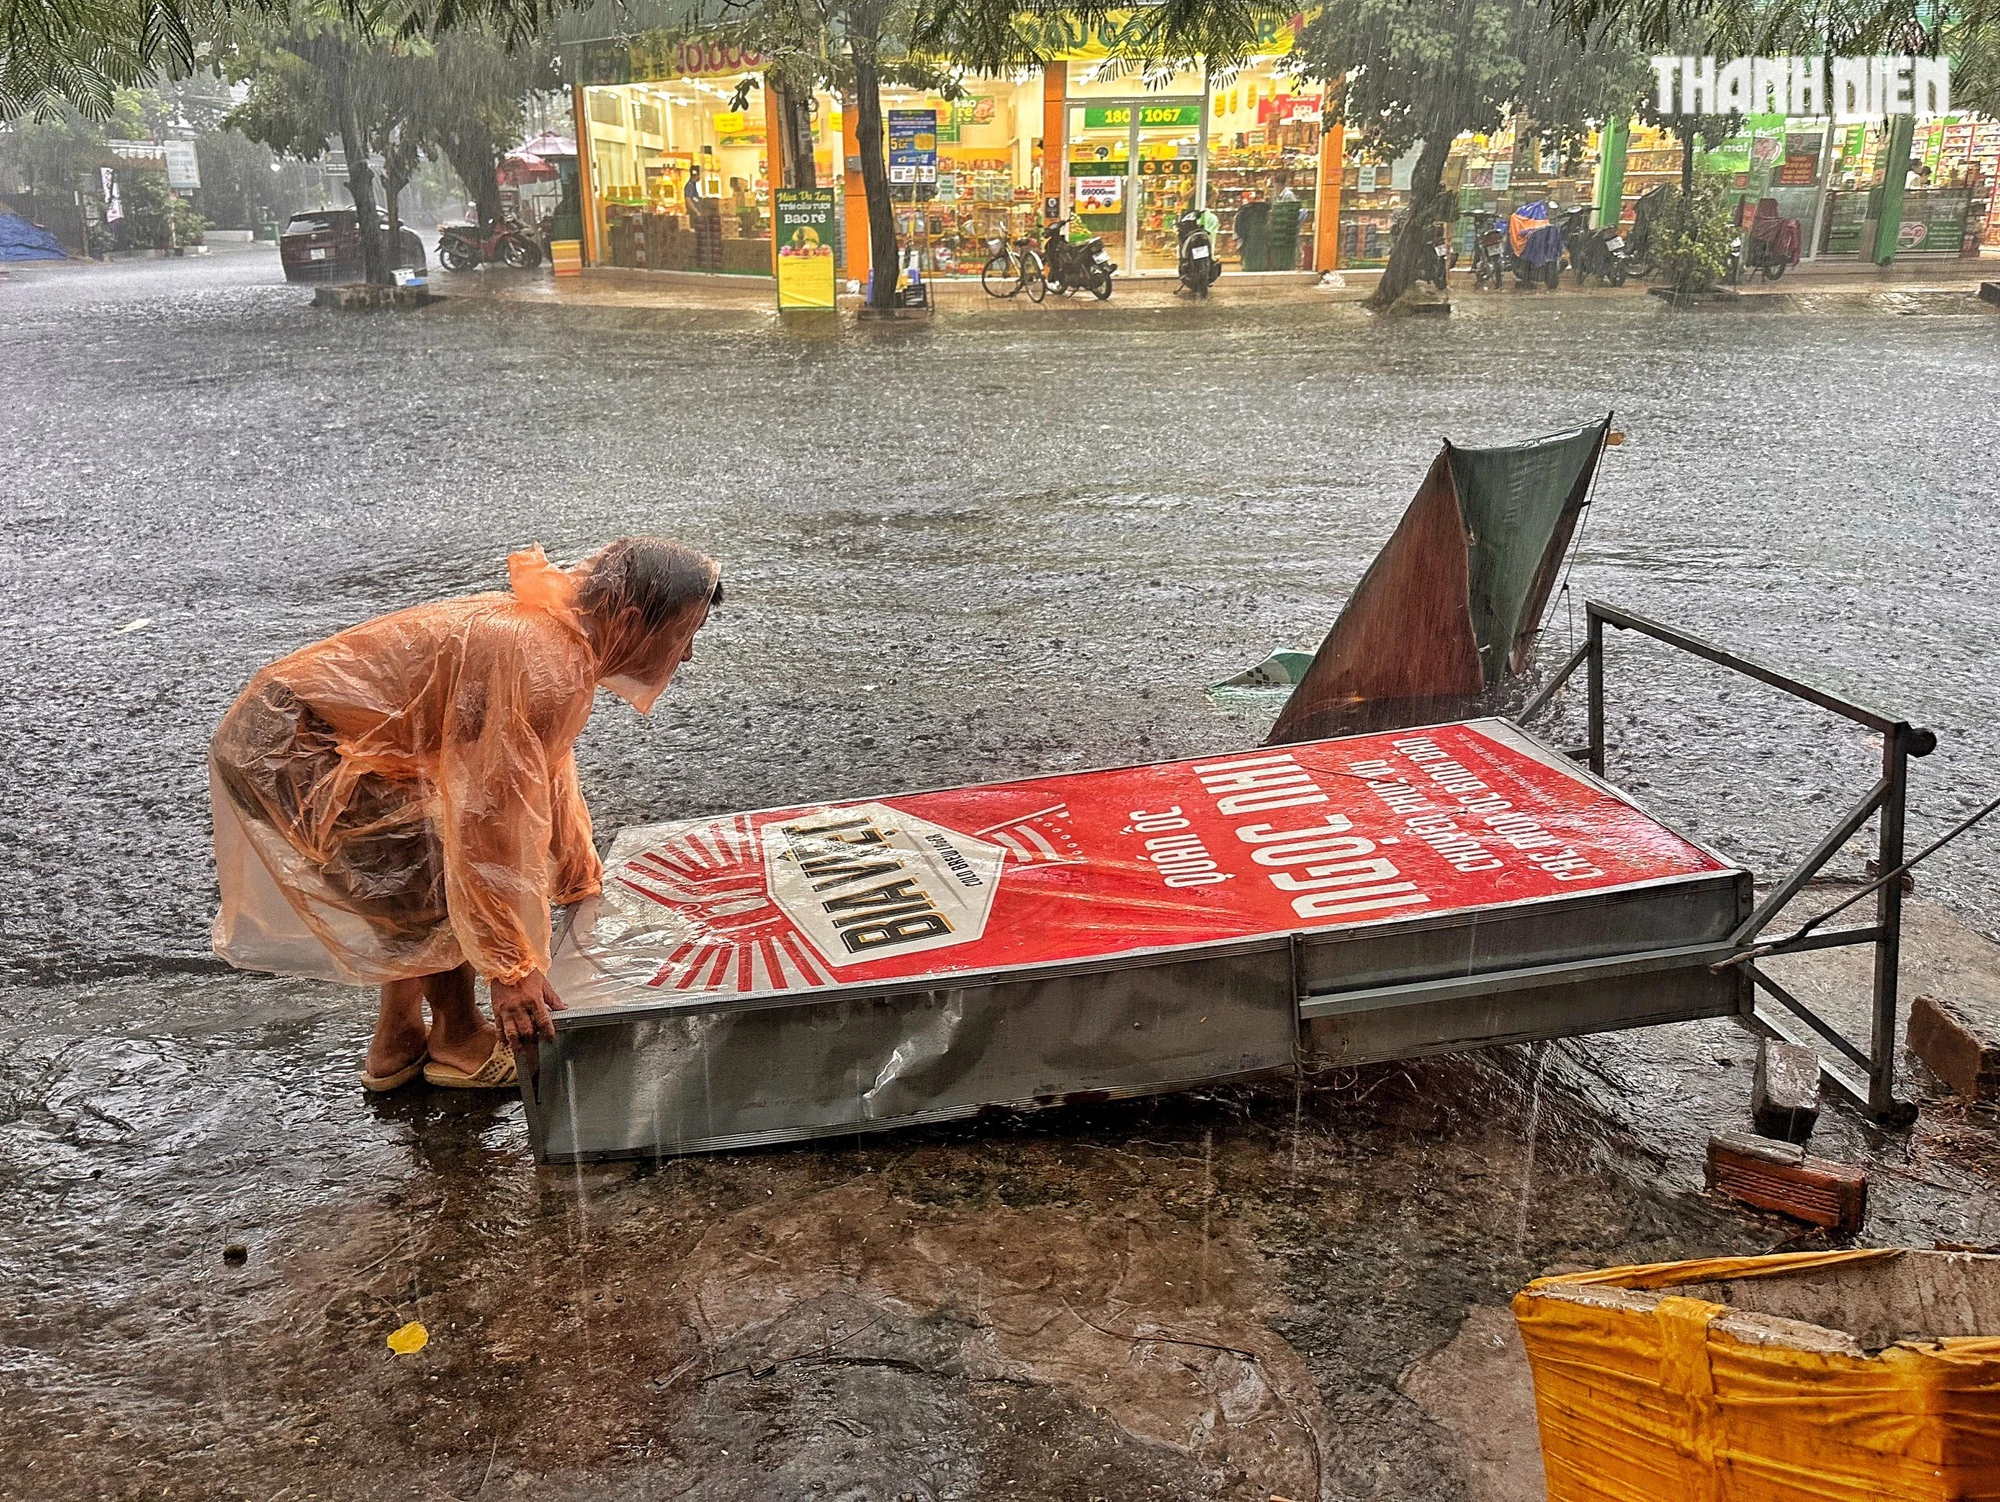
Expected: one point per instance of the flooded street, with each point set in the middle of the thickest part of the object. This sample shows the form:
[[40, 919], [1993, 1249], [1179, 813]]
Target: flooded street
[[1007, 543]]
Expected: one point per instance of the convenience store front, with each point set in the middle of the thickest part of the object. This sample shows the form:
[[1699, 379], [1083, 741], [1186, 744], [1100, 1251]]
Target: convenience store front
[[677, 178], [1138, 151]]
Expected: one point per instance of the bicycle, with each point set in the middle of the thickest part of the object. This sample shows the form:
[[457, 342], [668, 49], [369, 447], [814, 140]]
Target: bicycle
[[1014, 269]]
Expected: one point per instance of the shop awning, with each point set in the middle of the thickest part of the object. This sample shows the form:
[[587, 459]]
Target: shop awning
[[1452, 605], [546, 145]]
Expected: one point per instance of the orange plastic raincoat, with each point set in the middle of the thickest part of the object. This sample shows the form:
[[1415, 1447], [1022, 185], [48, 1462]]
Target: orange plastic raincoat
[[402, 797]]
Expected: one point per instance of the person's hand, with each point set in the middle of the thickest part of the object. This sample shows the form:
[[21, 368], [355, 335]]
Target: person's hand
[[521, 1009]]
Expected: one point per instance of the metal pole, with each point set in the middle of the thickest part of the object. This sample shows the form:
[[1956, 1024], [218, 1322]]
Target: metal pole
[[1596, 639], [1824, 183], [1889, 919]]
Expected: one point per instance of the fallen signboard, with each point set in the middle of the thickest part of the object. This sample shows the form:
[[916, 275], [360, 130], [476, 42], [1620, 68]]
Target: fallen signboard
[[812, 971]]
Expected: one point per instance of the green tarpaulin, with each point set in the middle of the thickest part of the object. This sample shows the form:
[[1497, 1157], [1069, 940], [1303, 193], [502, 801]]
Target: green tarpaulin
[[1451, 606]]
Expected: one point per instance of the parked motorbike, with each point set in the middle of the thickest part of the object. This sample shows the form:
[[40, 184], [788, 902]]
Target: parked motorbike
[[1640, 256], [1537, 246], [1077, 262], [1593, 252], [1434, 256], [463, 247], [1770, 245], [1491, 255], [1198, 266]]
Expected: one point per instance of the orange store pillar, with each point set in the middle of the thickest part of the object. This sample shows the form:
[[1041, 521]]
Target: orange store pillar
[[1326, 214], [774, 163], [854, 195], [1055, 121], [586, 190]]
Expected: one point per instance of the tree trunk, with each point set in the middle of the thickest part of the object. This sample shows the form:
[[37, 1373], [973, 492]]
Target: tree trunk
[[360, 181], [476, 161], [1687, 156], [882, 254], [398, 167], [794, 111], [1427, 195]]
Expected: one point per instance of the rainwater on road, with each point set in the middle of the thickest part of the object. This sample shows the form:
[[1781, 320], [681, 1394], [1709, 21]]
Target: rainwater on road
[[1009, 543]]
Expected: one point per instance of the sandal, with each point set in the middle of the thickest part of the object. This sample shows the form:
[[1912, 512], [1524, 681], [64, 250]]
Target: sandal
[[395, 1079], [497, 1073]]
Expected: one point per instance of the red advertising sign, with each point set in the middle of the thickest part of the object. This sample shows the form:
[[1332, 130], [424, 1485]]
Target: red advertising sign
[[1365, 829]]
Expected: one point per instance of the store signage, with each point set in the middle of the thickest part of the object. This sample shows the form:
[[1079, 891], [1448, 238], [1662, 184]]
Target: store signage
[[1289, 109], [1119, 116], [1050, 870], [1171, 166], [913, 155], [1099, 195], [1862, 88], [176, 158], [738, 128], [802, 219], [1128, 33], [654, 56], [1801, 170]]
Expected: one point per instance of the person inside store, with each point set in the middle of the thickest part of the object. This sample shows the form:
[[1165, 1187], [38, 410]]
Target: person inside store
[[398, 805]]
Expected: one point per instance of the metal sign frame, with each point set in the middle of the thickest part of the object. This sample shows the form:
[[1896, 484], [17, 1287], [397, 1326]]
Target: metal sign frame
[[715, 1071], [1873, 1090]]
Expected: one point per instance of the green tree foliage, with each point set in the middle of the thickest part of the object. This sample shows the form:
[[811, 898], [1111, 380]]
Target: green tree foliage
[[321, 75], [78, 53], [155, 218], [1692, 236], [855, 46], [1425, 70]]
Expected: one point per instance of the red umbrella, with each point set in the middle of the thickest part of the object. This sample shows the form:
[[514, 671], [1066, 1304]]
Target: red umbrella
[[525, 167]]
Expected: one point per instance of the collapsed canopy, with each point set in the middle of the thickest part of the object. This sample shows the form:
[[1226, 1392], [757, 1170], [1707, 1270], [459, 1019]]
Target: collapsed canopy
[[1452, 604]]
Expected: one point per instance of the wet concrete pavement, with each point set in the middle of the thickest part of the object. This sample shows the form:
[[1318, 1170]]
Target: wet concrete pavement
[[956, 551]]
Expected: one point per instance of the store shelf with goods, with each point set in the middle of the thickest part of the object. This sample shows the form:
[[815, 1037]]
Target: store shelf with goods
[[1368, 225], [1646, 167], [1254, 175]]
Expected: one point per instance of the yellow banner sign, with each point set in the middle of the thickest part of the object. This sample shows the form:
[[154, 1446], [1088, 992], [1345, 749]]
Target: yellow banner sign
[[1123, 33], [802, 219]]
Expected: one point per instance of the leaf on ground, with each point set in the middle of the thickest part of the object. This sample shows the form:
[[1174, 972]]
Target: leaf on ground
[[409, 1340]]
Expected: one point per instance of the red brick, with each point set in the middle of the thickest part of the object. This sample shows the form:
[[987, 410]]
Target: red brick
[[1956, 1049], [1782, 1176]]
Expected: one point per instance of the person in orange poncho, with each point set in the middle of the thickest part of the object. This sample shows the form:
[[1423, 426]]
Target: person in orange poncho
[[398, 804]]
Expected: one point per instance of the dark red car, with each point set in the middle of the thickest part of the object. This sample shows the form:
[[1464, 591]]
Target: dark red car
[[324, 245]]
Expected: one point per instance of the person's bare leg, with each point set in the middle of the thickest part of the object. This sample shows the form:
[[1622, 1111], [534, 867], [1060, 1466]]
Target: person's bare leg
[[400, 1035], [460, 1034]]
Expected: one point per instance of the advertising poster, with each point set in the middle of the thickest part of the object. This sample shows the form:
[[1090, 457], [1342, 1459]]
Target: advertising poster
[[1801, 169], [1406, 824], [803, 228], [1099, 195], [913, 140]]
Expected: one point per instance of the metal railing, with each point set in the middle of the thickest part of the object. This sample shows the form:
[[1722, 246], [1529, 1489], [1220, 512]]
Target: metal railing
[[1873, 1090]]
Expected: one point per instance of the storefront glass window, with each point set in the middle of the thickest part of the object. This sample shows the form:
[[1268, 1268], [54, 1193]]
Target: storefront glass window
[[1263, 165], [1132, 150], [988, 173], [681, 180]]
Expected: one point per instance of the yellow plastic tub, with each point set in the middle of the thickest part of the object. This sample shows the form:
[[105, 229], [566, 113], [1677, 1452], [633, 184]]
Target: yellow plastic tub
[[1865, 1376]]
